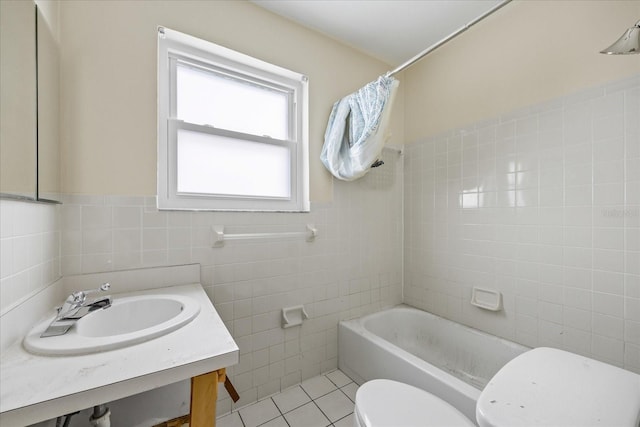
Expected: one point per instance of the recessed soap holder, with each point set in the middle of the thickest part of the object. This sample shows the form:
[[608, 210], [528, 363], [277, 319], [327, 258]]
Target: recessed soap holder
[[293, 316], [487, 299]]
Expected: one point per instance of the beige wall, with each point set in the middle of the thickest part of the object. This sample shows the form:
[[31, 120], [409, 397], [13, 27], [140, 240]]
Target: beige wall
[[108, 68], [527, 52], [18, 100], [48, 99]]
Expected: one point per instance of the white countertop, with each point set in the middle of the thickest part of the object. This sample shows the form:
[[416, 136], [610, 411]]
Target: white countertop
[[36, 388]]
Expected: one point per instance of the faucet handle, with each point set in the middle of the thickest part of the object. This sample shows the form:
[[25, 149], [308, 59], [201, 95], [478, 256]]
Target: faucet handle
[[103, 288], [80, 296]]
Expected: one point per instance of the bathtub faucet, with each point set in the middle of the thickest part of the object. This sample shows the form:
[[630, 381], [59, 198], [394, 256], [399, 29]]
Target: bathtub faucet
[[74, 308]]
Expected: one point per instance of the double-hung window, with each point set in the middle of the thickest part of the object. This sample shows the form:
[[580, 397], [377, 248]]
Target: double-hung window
[[232, 130]]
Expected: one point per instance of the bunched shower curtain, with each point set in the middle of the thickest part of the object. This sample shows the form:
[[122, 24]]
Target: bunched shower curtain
[[356, 132]]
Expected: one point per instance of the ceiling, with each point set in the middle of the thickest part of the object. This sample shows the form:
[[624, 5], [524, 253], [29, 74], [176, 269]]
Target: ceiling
[[390, 30]]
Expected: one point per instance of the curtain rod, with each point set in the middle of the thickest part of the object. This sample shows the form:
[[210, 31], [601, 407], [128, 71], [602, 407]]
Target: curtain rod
[[433, 47]]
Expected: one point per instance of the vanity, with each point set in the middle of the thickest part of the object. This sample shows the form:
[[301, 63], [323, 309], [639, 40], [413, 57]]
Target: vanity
[[37, 387]]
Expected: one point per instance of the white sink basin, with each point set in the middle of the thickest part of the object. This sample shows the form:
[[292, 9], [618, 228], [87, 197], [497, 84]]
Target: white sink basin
[[130, 320]]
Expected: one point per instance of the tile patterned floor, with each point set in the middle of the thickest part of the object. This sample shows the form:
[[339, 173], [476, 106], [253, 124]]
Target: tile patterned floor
[[322, 401]]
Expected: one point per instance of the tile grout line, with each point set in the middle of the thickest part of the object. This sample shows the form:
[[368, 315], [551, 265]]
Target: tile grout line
[[241, 420], [314, 401], [279, 410], [340, 419], [332, 423], [322, 412], [343, 392], [276, 417], [296, 407]]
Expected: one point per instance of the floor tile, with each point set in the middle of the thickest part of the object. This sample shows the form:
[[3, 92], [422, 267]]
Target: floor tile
[[230, 420], [322, 401], [318, 386], [277, 422], [307, 416], [345, 422], [259, 413], [290, 399], [350, 391], [338, 378], [335, 405]]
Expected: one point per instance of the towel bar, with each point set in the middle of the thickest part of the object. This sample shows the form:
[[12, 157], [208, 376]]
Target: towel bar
[[219, 236]]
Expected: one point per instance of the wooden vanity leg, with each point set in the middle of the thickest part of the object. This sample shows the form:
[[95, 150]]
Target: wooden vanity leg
[[204, 393]]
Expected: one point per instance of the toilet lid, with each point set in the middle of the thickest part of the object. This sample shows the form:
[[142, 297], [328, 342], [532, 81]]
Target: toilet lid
[[550, 387], [382, 403]]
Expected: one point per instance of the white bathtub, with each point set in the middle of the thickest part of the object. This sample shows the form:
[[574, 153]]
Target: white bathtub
[[450, 360]]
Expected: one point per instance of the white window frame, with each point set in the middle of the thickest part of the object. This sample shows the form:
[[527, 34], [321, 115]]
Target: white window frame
[[174, 46]]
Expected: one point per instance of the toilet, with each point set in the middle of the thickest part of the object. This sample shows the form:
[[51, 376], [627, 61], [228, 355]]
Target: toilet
[[387, 403], [541, 387]]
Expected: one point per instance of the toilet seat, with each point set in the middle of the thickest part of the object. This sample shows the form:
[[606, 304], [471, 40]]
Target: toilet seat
[[390, 403]]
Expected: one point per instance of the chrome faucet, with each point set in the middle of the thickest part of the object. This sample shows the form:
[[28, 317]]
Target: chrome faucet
[[74, 308]]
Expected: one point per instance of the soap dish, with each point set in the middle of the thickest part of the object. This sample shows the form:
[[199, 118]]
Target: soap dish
[[293, 316], [487, 299]]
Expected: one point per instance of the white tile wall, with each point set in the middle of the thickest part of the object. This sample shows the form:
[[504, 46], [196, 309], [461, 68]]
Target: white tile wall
[[354, 267], [30, 250], [542, 204]]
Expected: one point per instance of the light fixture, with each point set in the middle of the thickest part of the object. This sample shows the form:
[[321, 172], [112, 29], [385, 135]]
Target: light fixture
[[627, 44]]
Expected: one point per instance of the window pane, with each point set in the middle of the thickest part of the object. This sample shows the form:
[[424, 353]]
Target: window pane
[[208, 98], [212, 164]]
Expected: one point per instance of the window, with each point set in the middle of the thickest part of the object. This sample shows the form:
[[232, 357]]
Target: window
[[232, 130]]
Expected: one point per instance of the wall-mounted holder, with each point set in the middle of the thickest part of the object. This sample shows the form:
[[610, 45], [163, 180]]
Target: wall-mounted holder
[[487, 299], [218, 236], [293, 316]]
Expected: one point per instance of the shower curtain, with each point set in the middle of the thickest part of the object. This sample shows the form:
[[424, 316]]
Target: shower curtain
[[356, 131]]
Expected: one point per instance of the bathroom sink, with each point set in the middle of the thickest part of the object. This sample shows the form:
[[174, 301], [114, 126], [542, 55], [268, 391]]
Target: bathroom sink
[[128, 321]]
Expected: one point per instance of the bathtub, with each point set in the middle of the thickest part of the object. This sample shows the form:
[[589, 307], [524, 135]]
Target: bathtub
[[449, 360]]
